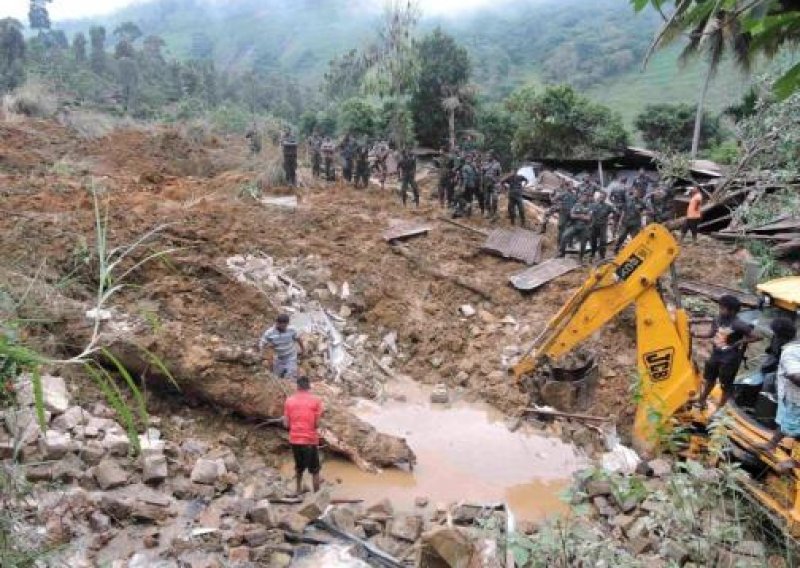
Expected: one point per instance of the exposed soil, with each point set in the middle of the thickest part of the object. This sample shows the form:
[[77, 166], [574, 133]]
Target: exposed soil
[[48, 223]]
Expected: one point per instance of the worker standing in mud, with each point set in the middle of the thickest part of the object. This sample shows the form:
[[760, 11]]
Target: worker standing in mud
[[286, 346], [694, 213], [301, 414], [289, 146], [408, 173]]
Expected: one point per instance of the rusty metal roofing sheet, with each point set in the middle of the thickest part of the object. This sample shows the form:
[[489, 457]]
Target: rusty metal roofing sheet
[[405, 230], [714, 292], [534, 277], [519, 244]]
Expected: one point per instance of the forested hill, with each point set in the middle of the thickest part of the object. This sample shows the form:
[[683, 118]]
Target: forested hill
[[573, 41]]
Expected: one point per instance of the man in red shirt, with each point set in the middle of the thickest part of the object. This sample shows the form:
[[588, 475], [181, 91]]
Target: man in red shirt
[[301, 412]]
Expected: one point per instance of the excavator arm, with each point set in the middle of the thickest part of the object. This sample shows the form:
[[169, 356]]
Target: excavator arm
[[667, 376]]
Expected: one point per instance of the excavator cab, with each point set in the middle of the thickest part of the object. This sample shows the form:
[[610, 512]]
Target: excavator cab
[[669, 378]]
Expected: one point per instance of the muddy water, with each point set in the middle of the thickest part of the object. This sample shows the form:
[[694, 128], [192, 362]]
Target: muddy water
[[465, 452]]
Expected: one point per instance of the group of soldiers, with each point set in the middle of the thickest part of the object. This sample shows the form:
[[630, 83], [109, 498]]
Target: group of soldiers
[[588, 214], [472, 178]]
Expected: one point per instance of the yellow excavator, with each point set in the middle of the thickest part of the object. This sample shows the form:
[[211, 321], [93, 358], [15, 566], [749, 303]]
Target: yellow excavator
[[669, 378]]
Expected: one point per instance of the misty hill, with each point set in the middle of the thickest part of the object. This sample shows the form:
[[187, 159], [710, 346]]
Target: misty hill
[[596, 46]]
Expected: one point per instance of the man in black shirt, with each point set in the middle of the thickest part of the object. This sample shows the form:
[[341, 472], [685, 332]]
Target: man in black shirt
[[731, 336]]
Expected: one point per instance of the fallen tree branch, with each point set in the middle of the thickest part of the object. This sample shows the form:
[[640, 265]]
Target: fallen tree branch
[[559, 414], [423, 266]]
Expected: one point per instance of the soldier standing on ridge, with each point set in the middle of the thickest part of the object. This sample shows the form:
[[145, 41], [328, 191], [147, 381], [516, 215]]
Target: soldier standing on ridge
[[289, 146], [408, 173]]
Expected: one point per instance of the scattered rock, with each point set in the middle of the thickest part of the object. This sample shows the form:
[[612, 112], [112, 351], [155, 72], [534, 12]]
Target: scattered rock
[[109, 474], [597, 487], [92, 452], [257, 536], [446, 547], [639, 545], [263, 514], [99, 522], [154, 468], [660, 467], [315, 504], [421, 502], [207, 472], [390, 545], [54, 393], [74, 416], [406, 527], [439, 395], [344, 518], [558, 394], [55, 444], [674, 551], [238, 555], [292, 522], [116, 444], [371, 527], [23, 425], [381, 509], [466, 514], [467, 310]]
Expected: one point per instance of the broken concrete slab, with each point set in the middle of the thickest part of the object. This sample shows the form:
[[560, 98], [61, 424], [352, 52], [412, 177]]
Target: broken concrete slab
[[537, 276], [517, 244]]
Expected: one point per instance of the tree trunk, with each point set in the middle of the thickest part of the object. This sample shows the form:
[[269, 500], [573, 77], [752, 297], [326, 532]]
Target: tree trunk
[[698, 120], [451, 117]]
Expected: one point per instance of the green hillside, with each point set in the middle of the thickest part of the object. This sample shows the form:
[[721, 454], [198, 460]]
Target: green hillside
[[665, 81]]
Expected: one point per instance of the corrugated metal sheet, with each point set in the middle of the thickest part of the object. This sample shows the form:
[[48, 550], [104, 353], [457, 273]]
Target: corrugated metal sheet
[[405, 230], [518, 244], [536, 276]]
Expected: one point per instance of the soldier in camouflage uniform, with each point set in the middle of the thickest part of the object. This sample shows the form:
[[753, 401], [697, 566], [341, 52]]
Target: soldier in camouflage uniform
[[362, 166], [516, 205], [408, 174], [315, 147], [491, 179], [347, 148], [659, 206], [598, 232], [254, 137], [289, 146], [469, 177], [566, 201], [328, 148], [580, 218], [631, 221]]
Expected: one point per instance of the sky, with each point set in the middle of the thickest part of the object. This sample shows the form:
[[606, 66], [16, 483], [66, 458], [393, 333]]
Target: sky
[[73, 9]]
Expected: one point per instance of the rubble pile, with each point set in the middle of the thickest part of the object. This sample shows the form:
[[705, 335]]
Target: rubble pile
[[339, 352], [668, 514], [197, 502]]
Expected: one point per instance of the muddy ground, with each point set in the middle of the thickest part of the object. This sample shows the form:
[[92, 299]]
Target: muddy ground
[[193, 184]]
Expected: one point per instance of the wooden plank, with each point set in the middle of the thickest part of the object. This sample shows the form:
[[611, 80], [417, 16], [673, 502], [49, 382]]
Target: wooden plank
[[751, 237], [537, 276], [790, 225], [464, 226], [715, 292], [403, 231]]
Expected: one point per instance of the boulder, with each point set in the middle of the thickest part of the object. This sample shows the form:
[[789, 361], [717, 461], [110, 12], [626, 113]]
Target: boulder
[[597, 487], [256, 536], [559, 394], [406, 527], [109, 474], [439, 395], [116, 444], [23, 425], [154, 468], [382, 509], [660, 467], [55, 444], [92, 452], [263, 514], [239, 555], [54, 393], [315, 505], [207, 471], [68, 469], [446, 547], [344, 518], [467, 311], [292, 522], [99, 522], [74, 416]]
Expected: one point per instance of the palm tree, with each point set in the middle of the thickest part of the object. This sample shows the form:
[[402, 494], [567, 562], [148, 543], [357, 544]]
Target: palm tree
[[715, 29], [456, 99]]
